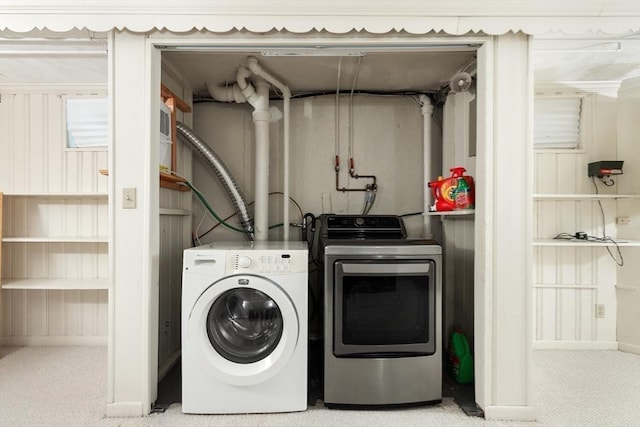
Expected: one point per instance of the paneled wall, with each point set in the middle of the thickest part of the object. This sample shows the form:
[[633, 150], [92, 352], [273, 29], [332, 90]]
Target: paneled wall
[[458, 240], [175, 232], [36, 174], [572, 283]]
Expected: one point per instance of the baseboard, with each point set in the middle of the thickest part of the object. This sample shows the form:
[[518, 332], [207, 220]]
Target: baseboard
[[52, 341], [124, 409], [575, 345], [629, 348], [518, 413], [168, 364]]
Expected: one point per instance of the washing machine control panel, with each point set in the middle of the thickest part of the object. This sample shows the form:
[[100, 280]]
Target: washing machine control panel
[[272, 262]]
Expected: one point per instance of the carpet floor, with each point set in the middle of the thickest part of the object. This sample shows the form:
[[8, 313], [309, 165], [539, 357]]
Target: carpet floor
[[66, 386]]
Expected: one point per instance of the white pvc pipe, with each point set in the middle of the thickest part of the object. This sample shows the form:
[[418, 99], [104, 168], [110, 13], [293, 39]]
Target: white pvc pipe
[[427, 112], [256, 69], [261, 118], [243, 91], [285, 178], [226, 93]]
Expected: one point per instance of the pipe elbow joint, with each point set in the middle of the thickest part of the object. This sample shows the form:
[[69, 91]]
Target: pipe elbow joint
[[226, 93], [252, 63]]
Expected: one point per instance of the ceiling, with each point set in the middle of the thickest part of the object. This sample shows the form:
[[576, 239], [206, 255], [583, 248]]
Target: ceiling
[[372, 72], [81, 59]]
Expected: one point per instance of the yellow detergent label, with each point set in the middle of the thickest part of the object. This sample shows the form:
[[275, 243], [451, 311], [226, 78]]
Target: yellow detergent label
[[448, 189]]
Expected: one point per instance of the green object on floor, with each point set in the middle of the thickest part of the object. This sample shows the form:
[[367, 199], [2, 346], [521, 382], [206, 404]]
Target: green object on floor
[[460, 359]]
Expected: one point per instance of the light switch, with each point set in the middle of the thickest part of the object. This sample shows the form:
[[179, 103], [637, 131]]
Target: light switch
[[128, 198]]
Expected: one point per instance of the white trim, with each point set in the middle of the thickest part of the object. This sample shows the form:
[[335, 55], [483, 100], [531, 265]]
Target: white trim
[[413, 16], [630, 84], [575, 345], [520, 413], [53, 341], [111, 267], [483, 257], [570, 88], [95, 89], [124, 409], [629, 348]]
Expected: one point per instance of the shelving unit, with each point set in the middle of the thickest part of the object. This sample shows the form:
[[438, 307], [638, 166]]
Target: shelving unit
[[579, 197], [19, 240], [585, 243], [457, 213], [52, 284], [578, 242]]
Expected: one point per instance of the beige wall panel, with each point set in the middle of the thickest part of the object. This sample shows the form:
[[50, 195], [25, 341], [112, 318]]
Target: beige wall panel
[[37, 313], [591, 270], [20, 308], [6, 305], [73, 313], [33, 160], [56, 310], [175, 232]]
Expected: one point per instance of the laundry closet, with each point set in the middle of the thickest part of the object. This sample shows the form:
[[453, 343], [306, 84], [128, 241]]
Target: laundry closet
[[93, 238]]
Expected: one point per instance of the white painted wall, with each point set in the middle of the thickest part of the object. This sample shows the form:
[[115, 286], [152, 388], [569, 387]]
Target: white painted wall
[[628, 278], [134, 79], [33, 159], [387, 143]]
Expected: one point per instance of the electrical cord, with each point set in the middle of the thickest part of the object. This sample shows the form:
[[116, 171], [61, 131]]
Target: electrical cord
[[410, 214], [207, 206], [619, 258], [581, 236], [198, 237]]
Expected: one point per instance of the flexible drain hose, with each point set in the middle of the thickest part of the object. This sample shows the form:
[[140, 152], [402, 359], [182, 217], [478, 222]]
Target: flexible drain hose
[[222, 173]]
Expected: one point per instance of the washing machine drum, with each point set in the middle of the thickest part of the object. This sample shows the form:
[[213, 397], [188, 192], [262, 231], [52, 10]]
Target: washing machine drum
[[244, 325], [244, 329]]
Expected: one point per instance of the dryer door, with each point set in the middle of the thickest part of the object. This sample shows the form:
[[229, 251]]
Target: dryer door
[[247, 328]]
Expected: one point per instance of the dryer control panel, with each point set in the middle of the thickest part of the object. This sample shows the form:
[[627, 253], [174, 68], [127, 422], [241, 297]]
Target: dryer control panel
[[271, 262]]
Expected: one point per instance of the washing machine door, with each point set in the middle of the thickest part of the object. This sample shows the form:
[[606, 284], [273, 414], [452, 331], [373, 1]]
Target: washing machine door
[[246, 328]]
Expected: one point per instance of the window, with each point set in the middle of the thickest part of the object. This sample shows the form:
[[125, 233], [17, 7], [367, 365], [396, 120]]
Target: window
[[87, 122], [557, 122]]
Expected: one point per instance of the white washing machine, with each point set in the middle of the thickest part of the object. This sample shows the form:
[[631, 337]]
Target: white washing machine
[[244, 328]]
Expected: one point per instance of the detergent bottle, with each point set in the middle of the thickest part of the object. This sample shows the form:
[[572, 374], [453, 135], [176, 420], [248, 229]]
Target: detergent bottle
[[455, 192], [464, 192], [443, 192], [460, 359]]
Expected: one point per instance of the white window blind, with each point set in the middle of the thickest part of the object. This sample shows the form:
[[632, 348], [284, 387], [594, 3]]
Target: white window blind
[[556, 122], [87, 122]]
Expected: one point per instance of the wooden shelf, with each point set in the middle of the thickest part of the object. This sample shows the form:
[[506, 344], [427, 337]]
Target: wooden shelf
[[174, 212], [166, 181], [585, 196], [57, 195], [460, 212], [50, 239], [585, 243], [62, 284], [173, 182], [564, 286]]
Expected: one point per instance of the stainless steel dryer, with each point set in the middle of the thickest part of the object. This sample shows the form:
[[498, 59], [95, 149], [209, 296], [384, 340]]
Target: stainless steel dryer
[[383, 310]]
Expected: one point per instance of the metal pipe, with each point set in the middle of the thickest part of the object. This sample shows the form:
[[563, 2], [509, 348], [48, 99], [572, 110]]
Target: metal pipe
[[222, 173]]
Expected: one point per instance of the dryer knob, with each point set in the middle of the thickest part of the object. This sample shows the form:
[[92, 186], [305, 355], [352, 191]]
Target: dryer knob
[[244, 262]]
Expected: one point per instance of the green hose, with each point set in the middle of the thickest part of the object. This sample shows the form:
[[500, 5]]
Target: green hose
[[210, 209]]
